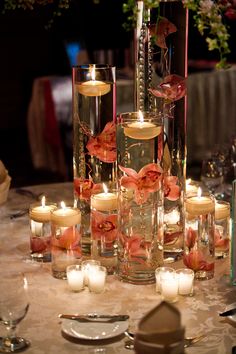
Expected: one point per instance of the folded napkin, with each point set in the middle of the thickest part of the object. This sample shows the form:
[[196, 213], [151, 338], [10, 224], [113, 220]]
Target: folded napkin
[[160, 331], [5, 181]]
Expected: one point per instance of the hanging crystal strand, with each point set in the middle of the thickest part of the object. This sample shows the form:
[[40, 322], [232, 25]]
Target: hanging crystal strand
[[143, 58]]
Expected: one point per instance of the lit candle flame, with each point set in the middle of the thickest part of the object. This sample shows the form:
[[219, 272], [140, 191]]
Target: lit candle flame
[[140, 116], [43, 201], [63, 205], [105, 188], [199, 192], [188, 181], [93, 73]]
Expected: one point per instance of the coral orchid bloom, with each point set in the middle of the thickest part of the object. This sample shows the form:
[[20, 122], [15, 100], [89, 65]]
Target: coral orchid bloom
[[85, 188], [171, 189], [103, 226], [195, 261], [172, 88]]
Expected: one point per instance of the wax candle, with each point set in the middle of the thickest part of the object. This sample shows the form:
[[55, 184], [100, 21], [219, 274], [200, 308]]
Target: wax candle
[[185, 280], [65, 216], [169, 286], [93, 87], [222, 210], [41, 213], [141, 129], [158, 272], [87, 266], [104, 201], [75, 277], [199, 205], [97, 279]]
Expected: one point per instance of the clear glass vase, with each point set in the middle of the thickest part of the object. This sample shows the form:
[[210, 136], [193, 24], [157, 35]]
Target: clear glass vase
[[140, 201], [94, 148], [161, 70]]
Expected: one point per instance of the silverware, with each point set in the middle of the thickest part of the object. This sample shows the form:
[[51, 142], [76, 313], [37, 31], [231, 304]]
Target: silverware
[[228, 312], [95, 318]]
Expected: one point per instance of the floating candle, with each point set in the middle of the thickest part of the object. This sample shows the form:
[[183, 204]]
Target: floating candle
[[141, 129], [66, 216], [93, 87], [104, 201], [199, 204], [222, 210], [41, 213]]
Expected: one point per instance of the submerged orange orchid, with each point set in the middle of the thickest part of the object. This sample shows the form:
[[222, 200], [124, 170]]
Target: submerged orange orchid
[[85, 188], [104, 226], [195, 260], [172, 88], [147, 180], [171, 189]]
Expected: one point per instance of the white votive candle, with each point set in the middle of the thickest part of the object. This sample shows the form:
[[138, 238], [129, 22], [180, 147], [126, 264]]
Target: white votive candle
[[87, 266], [169, 286], [158, 272], [97, 279], [185, 279], [75, 277]]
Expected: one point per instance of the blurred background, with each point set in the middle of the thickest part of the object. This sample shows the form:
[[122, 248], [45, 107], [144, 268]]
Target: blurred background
[[33, 57]]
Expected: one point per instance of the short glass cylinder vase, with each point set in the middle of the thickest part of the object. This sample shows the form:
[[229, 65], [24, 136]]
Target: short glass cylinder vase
[[104, 229], [140, 196], [199, 236], [222, 229], [94, 137], [66, 240]]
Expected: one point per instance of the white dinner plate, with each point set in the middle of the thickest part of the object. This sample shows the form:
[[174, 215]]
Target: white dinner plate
[[231, 306], [92, 330]]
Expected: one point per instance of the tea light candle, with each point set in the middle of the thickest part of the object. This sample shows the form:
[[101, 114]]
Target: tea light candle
[[169, 286], [65, 216], [142, 130], [222, 211], [158, 272], [199, 204], [87, 266], [97, 279], [41, 213], [93, 87], [104, 201], [75, 277], [185, 280]]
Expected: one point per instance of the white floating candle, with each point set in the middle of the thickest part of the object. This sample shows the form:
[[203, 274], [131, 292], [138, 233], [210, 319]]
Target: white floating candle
[[93, 87], [41, 213], [142, 130], [66, 216], [199, 204], [75, 277], [104, 201], [222, 210]]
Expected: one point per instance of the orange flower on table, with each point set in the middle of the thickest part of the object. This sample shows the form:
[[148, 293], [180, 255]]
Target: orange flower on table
[[146, 181], [220, 241], [103, 226], [85, 188], [103, 146], [171, 189], [195, 261]]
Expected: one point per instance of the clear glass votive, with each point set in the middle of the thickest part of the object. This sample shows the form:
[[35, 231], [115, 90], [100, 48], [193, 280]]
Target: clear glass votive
[[75, 277], [141, 196], [104, 229], [185, 280], [158, 273], [97, 279], [169, 286], [199, 245], [40, 230], [87, 265], [66, 239], [222, 229]]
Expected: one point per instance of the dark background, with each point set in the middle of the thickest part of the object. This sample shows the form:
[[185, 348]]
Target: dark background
[[29, 50]]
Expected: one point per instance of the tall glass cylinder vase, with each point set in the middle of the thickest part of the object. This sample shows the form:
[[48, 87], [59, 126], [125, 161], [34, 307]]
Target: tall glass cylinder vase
[[161, 55], [94, 156], [140, 202]]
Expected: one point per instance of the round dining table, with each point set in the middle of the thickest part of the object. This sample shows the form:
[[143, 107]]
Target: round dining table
[[50, 296]]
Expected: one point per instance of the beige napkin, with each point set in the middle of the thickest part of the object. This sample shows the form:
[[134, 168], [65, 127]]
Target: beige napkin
[[160, 331], [5, 181]]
